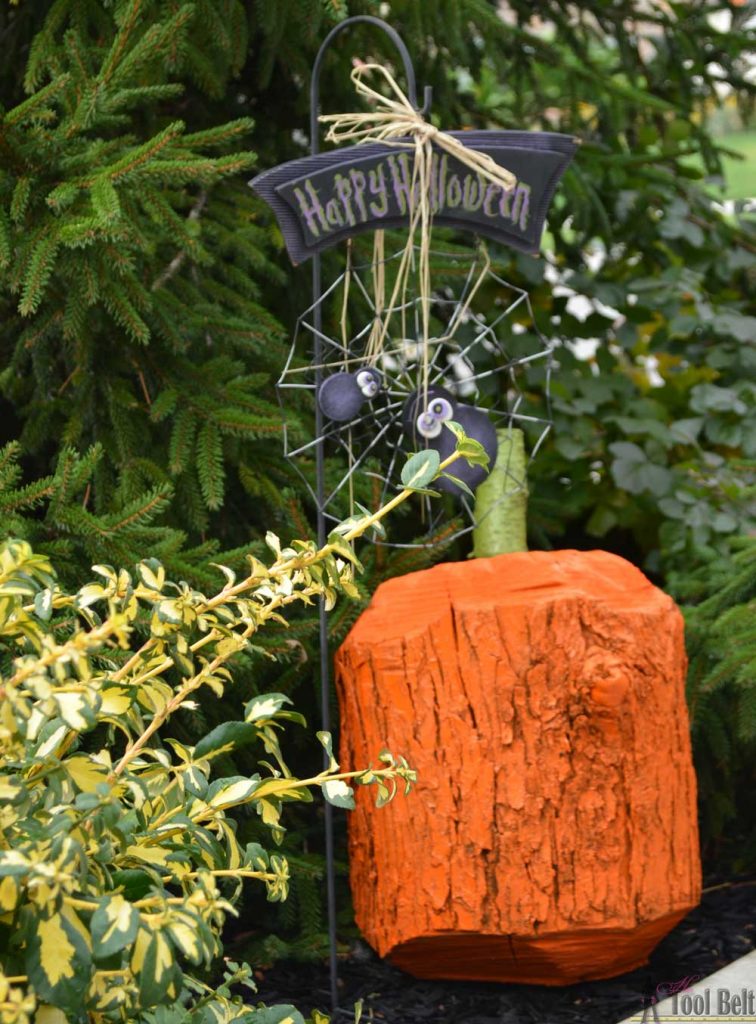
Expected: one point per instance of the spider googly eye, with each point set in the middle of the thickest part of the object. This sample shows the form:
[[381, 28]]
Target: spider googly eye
[[368, 383], [427, 425], [418, 415], [440, 409]]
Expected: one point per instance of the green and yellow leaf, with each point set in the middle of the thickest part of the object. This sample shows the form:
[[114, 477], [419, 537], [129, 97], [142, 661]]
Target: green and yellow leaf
[[114, 926]]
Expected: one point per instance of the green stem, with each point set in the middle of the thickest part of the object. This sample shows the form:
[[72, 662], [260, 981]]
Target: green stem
[[501, 501], [382, 512]]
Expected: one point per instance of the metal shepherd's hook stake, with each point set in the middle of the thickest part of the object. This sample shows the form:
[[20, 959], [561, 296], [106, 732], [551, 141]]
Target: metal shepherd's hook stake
[[325, 661]]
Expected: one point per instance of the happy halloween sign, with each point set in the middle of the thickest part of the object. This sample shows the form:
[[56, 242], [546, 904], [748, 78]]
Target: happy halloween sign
[[323, 199]]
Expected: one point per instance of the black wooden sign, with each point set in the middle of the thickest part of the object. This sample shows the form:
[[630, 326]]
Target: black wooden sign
[[321, 200]]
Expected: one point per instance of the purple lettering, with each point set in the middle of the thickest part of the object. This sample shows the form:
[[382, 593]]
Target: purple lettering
[[442, 180], [521, 207], [358, 186], [333, 214], [311, 209], [453, 192], [400, 177], [472, 197], [377, 186], [344, 193], [434, 174], [506, 195], [492, 193]]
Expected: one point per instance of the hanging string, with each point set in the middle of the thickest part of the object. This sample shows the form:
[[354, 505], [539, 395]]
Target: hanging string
[[345, 302], [374, 346], [345, 363]]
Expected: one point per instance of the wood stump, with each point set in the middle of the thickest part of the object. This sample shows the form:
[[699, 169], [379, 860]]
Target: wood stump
[[552, 835]]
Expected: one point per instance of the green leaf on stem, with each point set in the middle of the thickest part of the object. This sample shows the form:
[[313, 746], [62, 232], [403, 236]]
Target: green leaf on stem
[[327, 740], [467, 447], [420, 469], [338, 793], [224, 738], [460, 483], [114, 926], [265, 705]]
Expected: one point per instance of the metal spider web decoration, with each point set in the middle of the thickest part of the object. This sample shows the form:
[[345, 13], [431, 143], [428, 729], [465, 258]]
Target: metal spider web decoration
[[467, 359]]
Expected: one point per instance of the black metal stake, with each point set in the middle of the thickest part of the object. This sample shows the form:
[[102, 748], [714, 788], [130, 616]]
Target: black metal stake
[[325, 661]]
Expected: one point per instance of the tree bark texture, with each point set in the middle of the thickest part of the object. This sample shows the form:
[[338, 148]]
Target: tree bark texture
[[552, 835]]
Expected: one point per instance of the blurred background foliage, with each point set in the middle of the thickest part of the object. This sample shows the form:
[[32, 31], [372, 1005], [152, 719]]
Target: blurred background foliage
[[146, 305]]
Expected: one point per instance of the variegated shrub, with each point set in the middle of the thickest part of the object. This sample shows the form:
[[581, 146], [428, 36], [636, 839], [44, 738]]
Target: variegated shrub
[[119, 862]]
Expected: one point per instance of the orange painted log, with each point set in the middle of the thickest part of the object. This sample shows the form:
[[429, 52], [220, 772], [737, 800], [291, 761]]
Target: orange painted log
[[552, 836]]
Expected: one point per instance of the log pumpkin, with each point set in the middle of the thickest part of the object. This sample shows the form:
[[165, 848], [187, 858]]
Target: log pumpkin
[[552, 836]]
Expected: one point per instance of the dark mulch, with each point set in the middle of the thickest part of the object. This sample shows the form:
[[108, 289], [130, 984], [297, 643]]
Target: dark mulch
[[722, 929]]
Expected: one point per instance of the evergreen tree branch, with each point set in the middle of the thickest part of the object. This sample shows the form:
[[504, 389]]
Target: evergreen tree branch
[[178, 260]]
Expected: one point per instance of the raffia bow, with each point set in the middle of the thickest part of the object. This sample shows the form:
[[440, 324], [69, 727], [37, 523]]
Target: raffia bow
[[395, 119]]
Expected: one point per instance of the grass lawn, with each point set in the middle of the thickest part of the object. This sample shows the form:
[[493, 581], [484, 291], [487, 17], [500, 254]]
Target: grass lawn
[[740, 174]]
